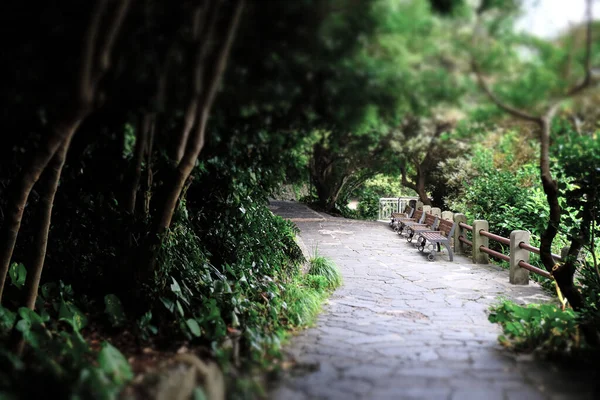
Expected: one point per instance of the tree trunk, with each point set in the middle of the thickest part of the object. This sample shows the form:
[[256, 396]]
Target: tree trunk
[[193, 146], [321, 190], [138, 157], [193, 149], [45, 216], [335, 193], [34, 273], [420, 189], [94, 63], [204, 27], [149, 173], [21, 188], [564, 273]]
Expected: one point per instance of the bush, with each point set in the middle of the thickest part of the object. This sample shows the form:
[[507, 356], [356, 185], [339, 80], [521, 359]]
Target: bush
[[545, 327], [368, 205], [58, 361]]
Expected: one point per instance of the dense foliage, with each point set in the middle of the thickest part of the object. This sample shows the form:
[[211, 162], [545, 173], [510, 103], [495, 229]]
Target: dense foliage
[[142, 140]]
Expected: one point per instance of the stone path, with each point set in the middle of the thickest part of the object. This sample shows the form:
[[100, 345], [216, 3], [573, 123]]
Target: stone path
[[404, 328]]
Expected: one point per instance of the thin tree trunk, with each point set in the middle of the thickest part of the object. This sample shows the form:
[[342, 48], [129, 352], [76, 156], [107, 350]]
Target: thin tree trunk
[[83, 96], [335, 194], [149, 173], [414, 186], [138, 157], [40, 244], [205, 22], [563, 274], [194, 145], [21, 190], [41, 240], [421, 189], [193, 149]]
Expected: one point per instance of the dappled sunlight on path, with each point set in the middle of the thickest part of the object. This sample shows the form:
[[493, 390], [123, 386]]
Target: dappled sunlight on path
[[403, 327]]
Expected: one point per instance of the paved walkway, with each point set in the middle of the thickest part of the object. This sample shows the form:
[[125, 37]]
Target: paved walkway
[[404, 328]]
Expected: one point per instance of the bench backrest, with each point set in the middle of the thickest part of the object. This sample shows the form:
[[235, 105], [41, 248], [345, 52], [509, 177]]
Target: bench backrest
[[418, 216], [447, 227], [409, 211], [431, 220]]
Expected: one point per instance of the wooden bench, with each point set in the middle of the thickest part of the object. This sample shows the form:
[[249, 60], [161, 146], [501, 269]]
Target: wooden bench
[[435, 239], [417, 218], [396, 217], [430, 224]]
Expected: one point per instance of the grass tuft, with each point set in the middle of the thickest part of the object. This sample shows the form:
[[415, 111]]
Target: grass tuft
[[321, 266]]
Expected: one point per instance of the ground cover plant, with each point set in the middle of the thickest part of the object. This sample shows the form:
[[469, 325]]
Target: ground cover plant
[[142, 141]]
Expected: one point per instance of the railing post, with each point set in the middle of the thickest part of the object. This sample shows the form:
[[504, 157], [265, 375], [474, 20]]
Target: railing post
[[426, 209], [436, 211], [448, 215], [459, 247], [479, 257], [518, 275]]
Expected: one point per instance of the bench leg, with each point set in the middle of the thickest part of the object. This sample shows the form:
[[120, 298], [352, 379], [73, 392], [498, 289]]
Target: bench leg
[[450, 254]]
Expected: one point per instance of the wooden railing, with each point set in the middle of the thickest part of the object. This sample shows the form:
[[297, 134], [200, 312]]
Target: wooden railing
[[518, 245]]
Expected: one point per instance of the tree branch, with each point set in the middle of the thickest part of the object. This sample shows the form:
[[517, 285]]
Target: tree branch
[[405, 182], [492, 96], [113, 31], [439, 129], [89, 49], [204, 25]]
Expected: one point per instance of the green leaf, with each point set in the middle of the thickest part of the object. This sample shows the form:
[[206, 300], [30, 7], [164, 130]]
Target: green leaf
[[235, 322], [49, 290], [169, 304], [175, 288], [199, 394], [114, 310], [18, 274], [7, 319], [194, 327], [30, 316], [179, 308], [69, 313], [114, 364], [96, 380], [23, 326]]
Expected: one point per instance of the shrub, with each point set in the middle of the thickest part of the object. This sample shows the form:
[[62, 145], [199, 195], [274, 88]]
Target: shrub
[[58, 361], [537, 327]]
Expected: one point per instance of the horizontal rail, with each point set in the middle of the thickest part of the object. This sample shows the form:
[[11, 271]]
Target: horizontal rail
[[397, 198], [494, 253], [533, 269], [465, 240], [492, 236], [536, 250], [465, 226]]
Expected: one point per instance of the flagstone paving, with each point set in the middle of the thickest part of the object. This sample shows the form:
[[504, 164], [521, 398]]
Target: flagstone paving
[[402, 327]]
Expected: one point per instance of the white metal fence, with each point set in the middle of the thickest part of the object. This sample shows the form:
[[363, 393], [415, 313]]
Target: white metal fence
[[389, 205]]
